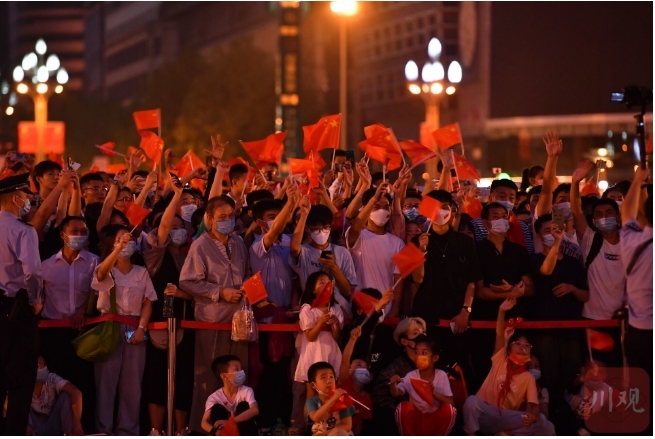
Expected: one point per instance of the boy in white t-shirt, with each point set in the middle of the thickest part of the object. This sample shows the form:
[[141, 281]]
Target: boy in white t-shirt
[[418, 417], [232, 399]]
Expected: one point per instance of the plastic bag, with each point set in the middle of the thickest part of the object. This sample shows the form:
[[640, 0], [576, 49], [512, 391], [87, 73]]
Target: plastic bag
[[244, 326]]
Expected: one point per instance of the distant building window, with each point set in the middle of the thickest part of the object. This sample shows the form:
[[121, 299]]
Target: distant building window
[[450, 34], [450, 17], [388, 46], [432, 19], [387, 32], [399, 29], [399, 44], [451, 50], [377, 35], [129, 55], [409, 26], [421, 39], [420, 22], [410, 42], [377, 50]]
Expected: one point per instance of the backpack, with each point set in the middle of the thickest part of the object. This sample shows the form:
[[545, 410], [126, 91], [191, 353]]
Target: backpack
[[596, 245]]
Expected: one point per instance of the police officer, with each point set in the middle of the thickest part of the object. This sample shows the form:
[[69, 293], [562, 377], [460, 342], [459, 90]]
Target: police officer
[[20, 302]]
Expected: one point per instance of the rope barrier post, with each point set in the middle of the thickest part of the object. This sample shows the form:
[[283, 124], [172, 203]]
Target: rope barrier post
[[172, 347]]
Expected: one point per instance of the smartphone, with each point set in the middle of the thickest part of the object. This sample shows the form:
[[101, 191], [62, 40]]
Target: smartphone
[[558, 218], [338, 167], [350, 156], [130, 334], [175, 179], [326, 253]]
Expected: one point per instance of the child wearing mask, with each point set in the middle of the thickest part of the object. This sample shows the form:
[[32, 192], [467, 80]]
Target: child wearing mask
[[233, 398], [325, 419], [430, 410], [534, 367], [353, 376]]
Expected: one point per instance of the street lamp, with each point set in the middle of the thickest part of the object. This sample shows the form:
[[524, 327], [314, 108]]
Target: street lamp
[[345, 9], [431, 85], [39, 77]]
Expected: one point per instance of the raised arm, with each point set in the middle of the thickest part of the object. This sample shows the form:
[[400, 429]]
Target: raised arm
[[49, 205], [75, 206], [166, 223], [553, 149], [548, 266], [296, 239], [150, 181], [363, 185], [324, 196], [502, 335], [281, 220], [104, 268], [579, 221], [364, 214], [110, 199], [630, 205]]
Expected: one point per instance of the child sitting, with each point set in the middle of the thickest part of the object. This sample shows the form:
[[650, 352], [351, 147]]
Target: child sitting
[[534, 367], [430, 410], [353, 376], [324, 419], [232, 399]]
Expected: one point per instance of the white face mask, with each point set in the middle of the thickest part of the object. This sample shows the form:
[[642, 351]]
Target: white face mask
[[187, 212], [507, 204], [320, 237], [444, 217], [380, 217], [566, 208], [499, 226]]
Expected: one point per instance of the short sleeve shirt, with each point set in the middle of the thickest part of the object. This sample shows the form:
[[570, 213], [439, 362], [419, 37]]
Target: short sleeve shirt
[[244, 394], [522, 386], [331, 419], [52, 387], [440, 384]]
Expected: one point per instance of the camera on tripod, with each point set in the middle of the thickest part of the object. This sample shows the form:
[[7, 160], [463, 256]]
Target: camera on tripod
[[633, 96]]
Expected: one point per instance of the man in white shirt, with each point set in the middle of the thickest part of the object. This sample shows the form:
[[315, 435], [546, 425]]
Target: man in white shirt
[[372, 247], [66, 289]]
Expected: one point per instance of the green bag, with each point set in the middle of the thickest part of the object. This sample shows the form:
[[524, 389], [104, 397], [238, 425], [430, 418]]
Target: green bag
[[99, 343]]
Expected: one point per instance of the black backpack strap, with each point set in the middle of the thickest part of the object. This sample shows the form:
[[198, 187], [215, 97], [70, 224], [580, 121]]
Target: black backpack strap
[[596, 245], [638, 253]]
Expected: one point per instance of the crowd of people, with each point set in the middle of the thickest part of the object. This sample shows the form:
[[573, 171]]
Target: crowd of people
[[385, 355]]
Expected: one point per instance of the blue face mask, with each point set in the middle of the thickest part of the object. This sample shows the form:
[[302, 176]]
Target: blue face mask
[[25, 209], [178, 237], [361, 376], [411, 214], [42, 374], [606, 225], [536, 373], [128, 251], [239, 378], [225, 227], [77, 243]]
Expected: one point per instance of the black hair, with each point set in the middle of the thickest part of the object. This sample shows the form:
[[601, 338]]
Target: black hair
[[315, 368], [319, 215], [605, 202], [92, 176], [540, 222], [108, 238], [152, 216], [310, 284], [66, 221], [141, 173], [503, 183], [221, 364], [43, 167], [255, 197], [340, 153], [623, 186], [171, 194], [412, 193], [264, 206], [442, 196], [197, 218], [197, 193], [485, 210], [376, 176], [157, 222], [465, 222], [366, 197], [516, 336], [535, 190], [116, 212], [428, 341], [528, 174], [216, 202], [237, 171], [522, 194], [376, 294], [564, 187], [522, 208]]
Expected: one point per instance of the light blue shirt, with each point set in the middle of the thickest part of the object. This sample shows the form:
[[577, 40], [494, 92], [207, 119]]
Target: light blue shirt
[[639, 286]]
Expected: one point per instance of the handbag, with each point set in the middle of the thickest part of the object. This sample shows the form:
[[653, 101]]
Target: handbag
[[244, 325], [99, 343]]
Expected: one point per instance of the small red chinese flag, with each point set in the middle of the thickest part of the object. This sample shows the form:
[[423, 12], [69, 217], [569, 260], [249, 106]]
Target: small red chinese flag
[[472, 206], [324, 297], [376, 153], [377, 135], [131, 150], [600, 341], [266, 151], [370, 130], [115, 168], [465, 170], [417, 152], [429, 208], [56, 158], [300, 166], [344, 401], [365, 302], [230, 428], [590, 188], [408, 259], [255, 289], [237, 161], [147, 119], [447, 136], [515, 232], [319, 163], [152, 145], [423, 389], [107, 149], [323, 134], [135, 213], [188, 163]]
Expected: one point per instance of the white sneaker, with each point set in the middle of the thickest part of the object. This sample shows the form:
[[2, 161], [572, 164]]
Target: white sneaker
[[154, 432]]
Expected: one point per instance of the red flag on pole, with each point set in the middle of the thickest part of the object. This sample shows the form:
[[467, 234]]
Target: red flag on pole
[[265, 151], [131, 150], [465, 170], [230, 428], [255, 289], [417, 152], [447, 136], [365, 302], [429, 208], [590, 188], [408, 259], [188, 163], [324, 297], [323, 134], [472, 206], [515, 232], [152, 145], [300, 166], [423, 389], [319, 163], [135, 213], [600, 341], [107, 149], [382, 137], [344, 401], [147, 119]]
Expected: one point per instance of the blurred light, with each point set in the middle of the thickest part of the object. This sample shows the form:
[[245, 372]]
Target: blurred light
[[450, 90], [609, 164], [436, 88], [411, 71], [425, 88], [427, 74], [62, 76], [42, 88], [13, 99], [636, 167], [9, 111], [278, 120], [437, 71], [59, 88], [610, 134], [4, 87], [602, 152], [19, 74], [414, 89], [22, 88], [42, 74], [503, 176], [41, 47], [434, 48], [29, 61], [624, 148], [454, 72], [603, 185], [624, 135], [52, 63], [344, 7], [635, 149], [476, 153]]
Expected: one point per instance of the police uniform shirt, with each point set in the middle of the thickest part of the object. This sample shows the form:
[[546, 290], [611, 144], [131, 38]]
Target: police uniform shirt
[[639, 286]]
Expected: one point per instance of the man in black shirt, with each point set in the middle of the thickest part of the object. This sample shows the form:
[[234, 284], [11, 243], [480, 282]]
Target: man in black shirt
[[447, 284]]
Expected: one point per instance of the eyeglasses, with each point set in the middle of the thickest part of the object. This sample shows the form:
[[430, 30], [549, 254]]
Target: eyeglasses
[[519, 344], [324, 229], [95, 189], [124, 200]]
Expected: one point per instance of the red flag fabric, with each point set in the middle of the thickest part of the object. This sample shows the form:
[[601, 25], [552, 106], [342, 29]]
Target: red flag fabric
[[319, 163], [417, 152], [152, 145], [344, 402], [429, 208], [447, 136], [423, 389], [135, 213], [515, 232], [323, 134], [600, 341], [472, 206], [324, 297], [92, 170], [376, 153], [382, 137], [237, 161], [230, 428], [56, 158], [465, 170], [265, 151], [147, 119], [255, 289], [115, 168], [131, 150], [365, 302], [371, 129], [590, 188], [188, 163], [300, 166], [649, 144], [7, 173], [408, 259], [107, 149]]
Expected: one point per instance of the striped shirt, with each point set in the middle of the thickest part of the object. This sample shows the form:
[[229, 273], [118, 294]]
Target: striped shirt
[[481, 233]]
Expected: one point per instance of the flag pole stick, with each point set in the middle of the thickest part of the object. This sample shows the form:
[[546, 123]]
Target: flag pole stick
[[384, 173], [109, 151], [334, 150], [161, 157]]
